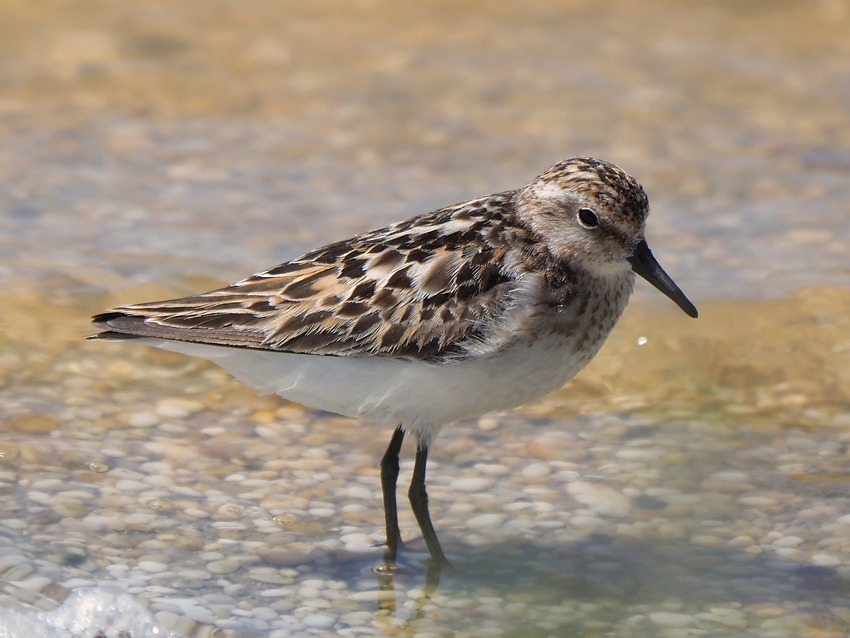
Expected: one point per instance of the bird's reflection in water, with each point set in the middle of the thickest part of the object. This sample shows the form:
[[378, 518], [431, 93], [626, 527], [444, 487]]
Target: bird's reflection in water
[[388, 598]]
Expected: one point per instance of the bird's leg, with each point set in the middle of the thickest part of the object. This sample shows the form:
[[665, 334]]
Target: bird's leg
[[389, 478], [419, 503]]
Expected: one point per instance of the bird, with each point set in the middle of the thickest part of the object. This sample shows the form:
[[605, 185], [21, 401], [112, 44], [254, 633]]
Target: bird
[[473, 308]]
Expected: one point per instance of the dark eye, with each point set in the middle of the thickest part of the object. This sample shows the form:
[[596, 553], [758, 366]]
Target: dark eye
[[587, 218]]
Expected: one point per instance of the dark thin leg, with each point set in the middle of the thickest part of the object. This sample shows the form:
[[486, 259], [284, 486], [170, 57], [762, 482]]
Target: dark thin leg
[[419, 502], [389, 478]]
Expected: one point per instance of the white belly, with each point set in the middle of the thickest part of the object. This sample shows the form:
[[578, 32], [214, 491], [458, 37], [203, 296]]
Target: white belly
[[421, 396]]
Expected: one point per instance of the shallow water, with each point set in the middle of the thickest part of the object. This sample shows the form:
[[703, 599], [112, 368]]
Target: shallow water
[[692, 481]]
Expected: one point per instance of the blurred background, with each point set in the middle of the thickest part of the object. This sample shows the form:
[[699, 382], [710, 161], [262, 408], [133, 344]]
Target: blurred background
[[151, 150]]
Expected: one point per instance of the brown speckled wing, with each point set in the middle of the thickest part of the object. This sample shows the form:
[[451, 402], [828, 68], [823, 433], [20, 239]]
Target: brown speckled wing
[[428, 288]]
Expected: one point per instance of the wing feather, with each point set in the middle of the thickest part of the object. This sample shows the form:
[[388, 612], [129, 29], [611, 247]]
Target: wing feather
[[429, 288]]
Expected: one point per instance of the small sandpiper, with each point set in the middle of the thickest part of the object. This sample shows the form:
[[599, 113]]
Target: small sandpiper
[[473, 308]]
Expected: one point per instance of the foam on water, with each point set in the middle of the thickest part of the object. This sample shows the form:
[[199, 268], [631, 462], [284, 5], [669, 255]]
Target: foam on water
[[93, 611]]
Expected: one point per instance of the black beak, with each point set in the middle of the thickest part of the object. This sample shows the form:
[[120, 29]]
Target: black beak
[[644, 264]]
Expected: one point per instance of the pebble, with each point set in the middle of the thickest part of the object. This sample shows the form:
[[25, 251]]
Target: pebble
[[638, 454], [153, 567], [588, 522], [177, 408], [725, 617], [31, 423], [826, 560], [788, 552], [671, 619], [492, 469], [47, 485], [358, 492], [706, 539], [263, 613], [309, 592], [143, 419], [727, 481], [788, 541], [126, 485], [484, 521], [471, 484], [600, 498], [757, 501], [770, 612], [367, 595], [552, 445], [174, 451], [319, 621], [357, 542], [12, 560], [34, 583], [536, 470], [224, 566]]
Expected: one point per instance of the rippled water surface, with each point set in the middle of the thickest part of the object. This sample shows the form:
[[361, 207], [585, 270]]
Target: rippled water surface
[[692, 481]]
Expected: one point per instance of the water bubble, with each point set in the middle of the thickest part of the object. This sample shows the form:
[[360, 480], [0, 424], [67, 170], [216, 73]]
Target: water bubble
[[94, 466], [385, 569]]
